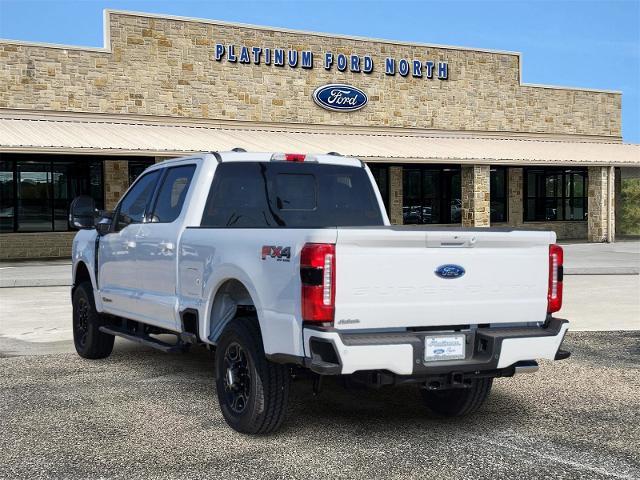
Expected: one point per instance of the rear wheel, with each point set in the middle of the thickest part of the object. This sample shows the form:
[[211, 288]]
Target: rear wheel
[[89, 341], [456, 402], [252, 391]]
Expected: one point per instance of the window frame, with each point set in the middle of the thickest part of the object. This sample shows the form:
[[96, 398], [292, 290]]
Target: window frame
[[50, 161], [443, 194], [504, 198], [118, 209], [563, 173], [164, 173]]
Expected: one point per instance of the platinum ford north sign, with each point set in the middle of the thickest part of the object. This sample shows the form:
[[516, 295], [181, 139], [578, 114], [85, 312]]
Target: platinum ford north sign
[[340, 98]]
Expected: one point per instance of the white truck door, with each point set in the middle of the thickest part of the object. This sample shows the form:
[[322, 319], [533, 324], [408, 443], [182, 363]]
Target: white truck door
[[118, 282], [157, 245]]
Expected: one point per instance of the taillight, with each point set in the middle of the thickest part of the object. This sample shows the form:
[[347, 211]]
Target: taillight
[[318, 276], [554, 293]]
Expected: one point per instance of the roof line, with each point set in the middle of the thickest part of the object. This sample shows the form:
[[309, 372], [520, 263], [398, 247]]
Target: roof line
[[106, 48]]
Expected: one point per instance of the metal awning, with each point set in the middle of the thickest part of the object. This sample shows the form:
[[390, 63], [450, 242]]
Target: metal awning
[[120, 137]]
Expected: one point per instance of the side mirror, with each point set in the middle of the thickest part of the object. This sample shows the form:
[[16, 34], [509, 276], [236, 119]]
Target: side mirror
[[104, 224], [82, 213]]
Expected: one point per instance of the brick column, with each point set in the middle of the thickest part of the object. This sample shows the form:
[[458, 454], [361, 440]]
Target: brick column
[[395, 195], [475, 196], [601, 213], [515, 188], [116, 181]]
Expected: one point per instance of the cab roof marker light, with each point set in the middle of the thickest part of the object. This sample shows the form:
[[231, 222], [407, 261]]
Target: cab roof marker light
[[292, 157]]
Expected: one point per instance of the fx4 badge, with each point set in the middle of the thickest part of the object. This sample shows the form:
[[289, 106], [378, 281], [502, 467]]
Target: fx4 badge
[[281, 254]]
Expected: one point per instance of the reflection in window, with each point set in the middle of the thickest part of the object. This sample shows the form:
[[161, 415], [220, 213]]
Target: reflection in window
[[498, 194], [431, 195], [7, 199], [36, 190], [553, 194]]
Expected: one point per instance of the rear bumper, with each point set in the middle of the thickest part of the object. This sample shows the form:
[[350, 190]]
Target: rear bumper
[[496, 349]]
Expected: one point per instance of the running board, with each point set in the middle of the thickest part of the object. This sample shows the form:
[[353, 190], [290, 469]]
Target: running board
[[144, 340]]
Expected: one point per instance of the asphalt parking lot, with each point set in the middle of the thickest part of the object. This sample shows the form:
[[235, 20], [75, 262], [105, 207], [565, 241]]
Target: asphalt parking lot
[[145, 414]]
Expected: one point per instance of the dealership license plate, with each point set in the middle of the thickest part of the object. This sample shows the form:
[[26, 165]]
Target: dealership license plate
[[444, 347]]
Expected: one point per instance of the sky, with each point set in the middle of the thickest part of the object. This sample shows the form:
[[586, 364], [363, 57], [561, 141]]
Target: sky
[[577, 43]]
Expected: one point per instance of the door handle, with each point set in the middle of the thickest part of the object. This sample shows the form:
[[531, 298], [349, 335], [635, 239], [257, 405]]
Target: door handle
[[130, 244]]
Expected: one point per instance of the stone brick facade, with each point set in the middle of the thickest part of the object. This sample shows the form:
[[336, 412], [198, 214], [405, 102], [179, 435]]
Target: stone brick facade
[[475, 195], [600, 217], [16, 246], [116, 182], [167, 67], [395, 195]]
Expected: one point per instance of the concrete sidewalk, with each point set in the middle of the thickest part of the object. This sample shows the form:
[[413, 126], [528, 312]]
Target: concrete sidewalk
[[621, 258]]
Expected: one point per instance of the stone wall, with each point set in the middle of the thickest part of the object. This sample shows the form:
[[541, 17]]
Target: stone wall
[[395, 195], [17, 246], [116, 182], [598, 219], [475, 195], [167, 67]]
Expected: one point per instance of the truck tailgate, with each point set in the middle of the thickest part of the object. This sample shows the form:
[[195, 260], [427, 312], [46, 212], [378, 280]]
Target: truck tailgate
[[386, 277]]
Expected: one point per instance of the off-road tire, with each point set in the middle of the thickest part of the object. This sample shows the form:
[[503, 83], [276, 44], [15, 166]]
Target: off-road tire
[[457, 402], [268, 383], [89, 341]]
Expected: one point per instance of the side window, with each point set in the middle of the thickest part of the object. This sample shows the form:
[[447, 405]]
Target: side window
[[238, 197], [134, 204], [172, 194]]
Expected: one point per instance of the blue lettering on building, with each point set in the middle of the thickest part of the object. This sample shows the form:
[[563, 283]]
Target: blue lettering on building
[[278, 57], [368, 64], [342, 62], [307, 59], [328, 60], [244, 55], [355, 63], [429, 66], [443, 70], [256, 55], [403, 67], [231, 54], [390, 66], [418, 68], [293, 58]]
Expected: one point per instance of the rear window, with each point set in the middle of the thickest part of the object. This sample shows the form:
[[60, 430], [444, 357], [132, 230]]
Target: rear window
[[290, 195]]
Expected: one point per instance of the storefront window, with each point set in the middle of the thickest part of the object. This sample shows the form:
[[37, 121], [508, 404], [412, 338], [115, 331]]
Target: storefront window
[[431, 195], [555, 194], [36, 190], [498, 194], [7, 197], [381, 175], [136, 167]]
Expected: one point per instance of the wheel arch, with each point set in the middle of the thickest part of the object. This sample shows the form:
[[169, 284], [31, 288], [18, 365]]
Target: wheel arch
[[231, 299]]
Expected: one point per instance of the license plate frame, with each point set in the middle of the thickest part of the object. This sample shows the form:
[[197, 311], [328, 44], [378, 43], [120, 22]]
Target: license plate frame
[[439, 348]]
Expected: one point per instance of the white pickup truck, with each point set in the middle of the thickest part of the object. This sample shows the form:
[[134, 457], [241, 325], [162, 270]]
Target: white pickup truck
[[287, 262]]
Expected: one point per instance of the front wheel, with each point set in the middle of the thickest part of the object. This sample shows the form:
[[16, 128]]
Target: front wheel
[[89, 341], [457, 402], [252, 391]]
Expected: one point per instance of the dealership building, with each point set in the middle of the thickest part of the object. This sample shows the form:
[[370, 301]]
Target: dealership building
[[452, 135]]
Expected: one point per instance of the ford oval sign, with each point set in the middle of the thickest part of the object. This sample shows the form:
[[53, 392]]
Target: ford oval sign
[[340, 98], [449, 271]]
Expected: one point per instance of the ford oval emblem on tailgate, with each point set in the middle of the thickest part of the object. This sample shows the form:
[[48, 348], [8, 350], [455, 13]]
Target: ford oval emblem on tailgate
[[449, 271], [340, 98]]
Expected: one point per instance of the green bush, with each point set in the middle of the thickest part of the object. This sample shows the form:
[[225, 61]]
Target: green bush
[[630, 211]]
